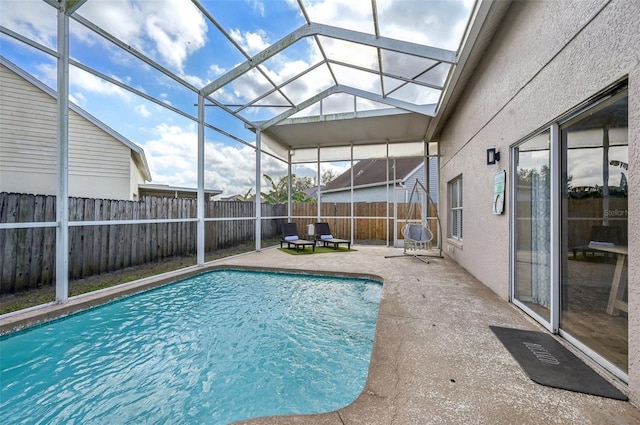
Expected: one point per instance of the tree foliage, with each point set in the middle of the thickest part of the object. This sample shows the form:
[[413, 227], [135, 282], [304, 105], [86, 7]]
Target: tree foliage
[[328, 176], [300, 184], [247, 195], [279, 192]]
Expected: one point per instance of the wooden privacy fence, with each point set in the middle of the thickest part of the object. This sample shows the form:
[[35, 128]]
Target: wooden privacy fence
[[583, 214], [364, 229], [370, 219], [28, 255]]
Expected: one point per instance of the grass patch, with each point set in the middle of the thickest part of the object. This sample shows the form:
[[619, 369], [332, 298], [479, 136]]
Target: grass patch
[[47, 294], [319, 250]]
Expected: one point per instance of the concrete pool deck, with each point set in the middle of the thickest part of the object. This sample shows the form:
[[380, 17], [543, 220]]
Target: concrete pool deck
[[434, 359]]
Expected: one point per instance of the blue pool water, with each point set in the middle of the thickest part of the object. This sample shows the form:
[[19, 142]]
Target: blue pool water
[[216, 348]]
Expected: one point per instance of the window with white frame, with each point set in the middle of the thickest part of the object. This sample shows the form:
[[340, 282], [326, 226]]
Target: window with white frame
[[455, 208]]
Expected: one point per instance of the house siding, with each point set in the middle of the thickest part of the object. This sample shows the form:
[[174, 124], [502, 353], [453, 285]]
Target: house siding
[[25, 137], [100, 166], [135, 179], [433, 179], [546, 58], [369, 194]]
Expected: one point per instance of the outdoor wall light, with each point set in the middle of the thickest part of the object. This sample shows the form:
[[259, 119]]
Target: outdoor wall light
[[493, 156]]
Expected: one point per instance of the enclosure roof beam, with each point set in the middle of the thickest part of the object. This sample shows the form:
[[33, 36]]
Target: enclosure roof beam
[[314, 29], [428, 110], [70, 6], [390, 75], [73, 5]]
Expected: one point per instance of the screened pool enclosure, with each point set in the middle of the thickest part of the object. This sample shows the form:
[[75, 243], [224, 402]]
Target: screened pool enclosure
[[224, 96]]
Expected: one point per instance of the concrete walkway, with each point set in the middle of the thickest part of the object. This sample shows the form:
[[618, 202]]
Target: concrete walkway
[[434, 359]]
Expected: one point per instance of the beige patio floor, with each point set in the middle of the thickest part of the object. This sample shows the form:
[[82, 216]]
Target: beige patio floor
[[434, 359]]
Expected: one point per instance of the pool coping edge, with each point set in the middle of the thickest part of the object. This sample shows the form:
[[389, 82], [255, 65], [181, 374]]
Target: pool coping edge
[[34, 316]]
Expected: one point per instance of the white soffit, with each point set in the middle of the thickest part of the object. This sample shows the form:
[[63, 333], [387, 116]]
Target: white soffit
[[344, 129]]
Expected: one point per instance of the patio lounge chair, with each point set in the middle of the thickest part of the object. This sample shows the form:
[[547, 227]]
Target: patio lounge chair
[[324, 236], [416, 236], [290, 237]]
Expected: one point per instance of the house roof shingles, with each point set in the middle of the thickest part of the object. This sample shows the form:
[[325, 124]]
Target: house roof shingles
[[371, 172]]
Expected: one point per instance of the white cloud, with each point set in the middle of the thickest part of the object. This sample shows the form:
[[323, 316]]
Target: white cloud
[[172, 155], [250, 41], [435, 22], [33, 19], [143, 111], [216, 70], [350, 14], [172, 160], [438, 23], [195, 81], [168, 30], [257, 5], [81, 81]]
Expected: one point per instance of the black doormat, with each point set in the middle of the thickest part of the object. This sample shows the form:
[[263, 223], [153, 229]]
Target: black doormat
[[547, 362]]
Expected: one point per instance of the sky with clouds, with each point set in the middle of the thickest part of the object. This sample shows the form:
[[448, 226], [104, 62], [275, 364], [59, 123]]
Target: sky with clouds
[[181, 38]]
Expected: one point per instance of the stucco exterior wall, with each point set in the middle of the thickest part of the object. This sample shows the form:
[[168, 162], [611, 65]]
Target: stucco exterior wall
[[546, 58]]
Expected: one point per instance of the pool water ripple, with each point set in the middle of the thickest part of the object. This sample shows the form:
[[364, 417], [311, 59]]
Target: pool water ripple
[[216, 348]]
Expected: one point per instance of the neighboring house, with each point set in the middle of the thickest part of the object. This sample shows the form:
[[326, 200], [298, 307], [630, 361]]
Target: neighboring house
[[102, 163], [370, 180], [312, 192], [238, 197], [166, 191]]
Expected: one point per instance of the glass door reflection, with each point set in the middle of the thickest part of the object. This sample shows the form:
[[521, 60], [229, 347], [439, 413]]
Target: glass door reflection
[[594, 229], [532, 266]]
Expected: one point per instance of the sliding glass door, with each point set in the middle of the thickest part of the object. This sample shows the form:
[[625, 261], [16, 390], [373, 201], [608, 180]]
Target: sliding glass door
[[532, 259], [569, 232], [594, 223]]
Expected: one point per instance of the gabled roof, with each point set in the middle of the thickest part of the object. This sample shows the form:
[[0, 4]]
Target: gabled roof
[[138, 153], [312, 192], [373, 172]]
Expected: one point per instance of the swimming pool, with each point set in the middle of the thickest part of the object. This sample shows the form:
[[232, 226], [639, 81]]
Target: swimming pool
[[219, 347]]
